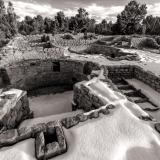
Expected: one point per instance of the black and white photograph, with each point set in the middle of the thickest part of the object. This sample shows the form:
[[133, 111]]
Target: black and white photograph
[[79, 79]]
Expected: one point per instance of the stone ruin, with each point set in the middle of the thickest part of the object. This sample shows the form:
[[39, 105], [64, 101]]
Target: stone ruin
[[49, 137]]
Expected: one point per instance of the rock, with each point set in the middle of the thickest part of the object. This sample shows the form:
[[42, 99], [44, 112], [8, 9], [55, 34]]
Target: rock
[[24, 133], [41, 127], [94, 114], [61, 139], [15, 108], [82, 117], [111, 106], [40, 146], [52, 150], [69, 122], [104, 111], [8, 137]]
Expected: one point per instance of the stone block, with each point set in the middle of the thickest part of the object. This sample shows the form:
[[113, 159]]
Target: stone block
[[24, 133], [69, 122], [8, 137], [82, 117], [40, 146], [41, 127], [94, 114]]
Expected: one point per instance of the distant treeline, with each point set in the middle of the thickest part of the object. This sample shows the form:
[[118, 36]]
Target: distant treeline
[[132, 20]]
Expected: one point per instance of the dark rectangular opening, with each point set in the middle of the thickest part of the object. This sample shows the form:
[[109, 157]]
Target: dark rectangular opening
[[56, 67], [50, 136]]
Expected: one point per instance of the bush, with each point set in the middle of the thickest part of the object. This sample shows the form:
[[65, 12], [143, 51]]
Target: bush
[[148, 43], [67, 36], [45, 38], [3, 42]]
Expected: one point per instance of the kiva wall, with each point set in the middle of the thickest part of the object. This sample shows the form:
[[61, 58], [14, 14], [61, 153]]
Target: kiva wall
[[33, 74]]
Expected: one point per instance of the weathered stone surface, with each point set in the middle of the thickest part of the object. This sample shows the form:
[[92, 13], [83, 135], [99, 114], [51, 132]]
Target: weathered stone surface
[[24, 133], [69, 122], [40, 146], [41, 127], [8, 137], [111, 106], [104, 111], [94, 114], [82, 117], [15, 108], [61, 139], [52, 150]]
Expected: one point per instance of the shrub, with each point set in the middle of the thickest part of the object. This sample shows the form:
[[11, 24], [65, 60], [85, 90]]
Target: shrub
[[67, 36], [45, 38], [3, 42], [148, 43]]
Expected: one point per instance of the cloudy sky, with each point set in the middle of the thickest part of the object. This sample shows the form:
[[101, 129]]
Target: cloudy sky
[[99, 9]]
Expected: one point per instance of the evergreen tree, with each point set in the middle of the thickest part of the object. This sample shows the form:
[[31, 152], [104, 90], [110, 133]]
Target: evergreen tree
[[130, 17]]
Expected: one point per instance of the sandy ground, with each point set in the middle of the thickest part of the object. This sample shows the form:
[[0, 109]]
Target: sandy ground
[[45, 105]]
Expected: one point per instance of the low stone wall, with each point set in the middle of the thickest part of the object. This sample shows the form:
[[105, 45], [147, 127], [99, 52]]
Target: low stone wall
[[128, 72], [125, 71], [147, 77], [85, 99], [82, 117], [33, 74], [14, 108]]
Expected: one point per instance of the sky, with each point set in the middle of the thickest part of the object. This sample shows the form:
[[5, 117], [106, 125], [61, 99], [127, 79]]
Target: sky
[[98, 9]]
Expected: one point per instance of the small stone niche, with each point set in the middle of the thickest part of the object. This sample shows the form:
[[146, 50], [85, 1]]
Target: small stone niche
[[50, 136], [56, 66], [51, 142]]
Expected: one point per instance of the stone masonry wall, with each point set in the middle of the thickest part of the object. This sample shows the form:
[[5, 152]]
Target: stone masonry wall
[[14, 108], [85, 99], [125, 71], [33, 74], [147, 77]]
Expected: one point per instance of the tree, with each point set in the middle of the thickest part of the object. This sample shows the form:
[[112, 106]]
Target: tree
[[152, 25], [12, 18], [38, 24], [2, 8], [82, 18], [60, 20], [131, 17]]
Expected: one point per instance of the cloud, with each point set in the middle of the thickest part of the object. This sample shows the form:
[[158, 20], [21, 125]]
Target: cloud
[[154, 9], [101, 12], [33, 8]]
